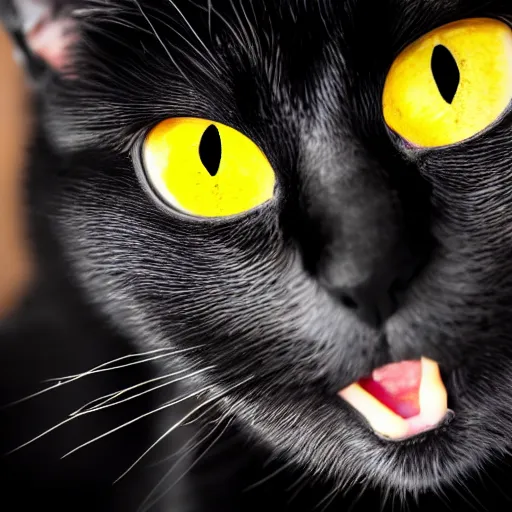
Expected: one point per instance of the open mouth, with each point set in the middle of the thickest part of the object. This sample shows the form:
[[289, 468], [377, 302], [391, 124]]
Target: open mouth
[[400, 400]]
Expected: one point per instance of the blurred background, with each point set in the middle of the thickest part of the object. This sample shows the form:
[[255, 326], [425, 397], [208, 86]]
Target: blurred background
[[15, 266]]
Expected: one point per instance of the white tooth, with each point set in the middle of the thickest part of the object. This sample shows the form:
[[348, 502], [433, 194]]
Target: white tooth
[[433, 395], [381, 419]]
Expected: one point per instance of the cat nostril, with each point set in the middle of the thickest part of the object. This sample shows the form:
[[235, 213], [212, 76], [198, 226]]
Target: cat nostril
[[399, 286], [348, 301], [372, 306]]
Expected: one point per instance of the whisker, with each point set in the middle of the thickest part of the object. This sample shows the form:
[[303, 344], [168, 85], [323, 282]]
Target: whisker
[[186, 447], [299, 485], [102, 367], [182, 451], [97, 369], [180, 422], [46, 432], [251, 42], [361, 493], [101, 399], [161, 481], [327, 500], [197, 418], [161, 408], [268, 477], [210, 17], [120, 367], [111, 396], [77, 415], [467, 498], [214, 11], [209, 68], [164, 46], [106, 404], [193, 31]]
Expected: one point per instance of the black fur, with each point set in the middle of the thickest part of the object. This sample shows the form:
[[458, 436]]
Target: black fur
[[265, 301]]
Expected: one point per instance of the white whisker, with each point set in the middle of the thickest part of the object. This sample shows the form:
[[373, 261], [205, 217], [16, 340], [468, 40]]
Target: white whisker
[[103, 367], [67, 420], [299, 485], [210, 17], [81, 412], [180, 422], [186, 448], [160, 482], [269, 477], [120, 367], [72, 378], [33, 440], [106, 404], [328, 499], [111, 396], [161, 408], [164, 46], [194, 32], [101, 399]]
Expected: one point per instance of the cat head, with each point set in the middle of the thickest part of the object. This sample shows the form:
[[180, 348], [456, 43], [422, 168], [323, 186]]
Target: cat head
[[319, 235]]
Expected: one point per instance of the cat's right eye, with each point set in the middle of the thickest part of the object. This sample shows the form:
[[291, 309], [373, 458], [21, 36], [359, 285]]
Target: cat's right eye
[[206, 169], [451, 84]]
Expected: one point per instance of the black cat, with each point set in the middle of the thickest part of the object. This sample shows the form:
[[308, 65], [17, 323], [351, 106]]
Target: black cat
[[263, 223]]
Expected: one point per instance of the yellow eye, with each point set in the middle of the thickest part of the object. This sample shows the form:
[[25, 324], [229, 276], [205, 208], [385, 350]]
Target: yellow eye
[[206, 169], [451, 84]]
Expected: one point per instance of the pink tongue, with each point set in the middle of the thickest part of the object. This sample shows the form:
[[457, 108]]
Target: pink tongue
[[397, 386]]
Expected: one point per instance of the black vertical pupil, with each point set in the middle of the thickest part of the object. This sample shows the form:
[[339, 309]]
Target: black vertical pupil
[[210, 149], [446, 72]]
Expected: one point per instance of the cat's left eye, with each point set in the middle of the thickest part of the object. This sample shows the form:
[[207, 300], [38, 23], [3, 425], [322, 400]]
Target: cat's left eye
[[206, 169], [451, 84]]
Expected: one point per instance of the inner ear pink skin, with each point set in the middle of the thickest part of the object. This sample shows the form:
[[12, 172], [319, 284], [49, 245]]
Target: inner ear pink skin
[[50, 40], [48, 34]]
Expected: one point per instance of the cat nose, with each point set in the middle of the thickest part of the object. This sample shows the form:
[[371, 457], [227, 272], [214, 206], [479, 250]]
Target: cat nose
[[374, 294], [370, 250], [362, 226]]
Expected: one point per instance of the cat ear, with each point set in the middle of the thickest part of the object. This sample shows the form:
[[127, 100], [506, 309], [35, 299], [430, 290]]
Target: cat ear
[[44, 30]]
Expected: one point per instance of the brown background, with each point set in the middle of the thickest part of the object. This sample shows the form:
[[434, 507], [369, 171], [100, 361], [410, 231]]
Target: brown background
[[14, 123]]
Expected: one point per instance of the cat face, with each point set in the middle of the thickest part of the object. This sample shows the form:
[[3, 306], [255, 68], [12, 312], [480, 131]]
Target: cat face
[[372, 250]]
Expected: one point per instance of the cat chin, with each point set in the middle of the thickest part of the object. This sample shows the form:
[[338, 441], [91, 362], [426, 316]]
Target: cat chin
[[330, 440]]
